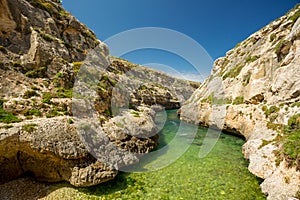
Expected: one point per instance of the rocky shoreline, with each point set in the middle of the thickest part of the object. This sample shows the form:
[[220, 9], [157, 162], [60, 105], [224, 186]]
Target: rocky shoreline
[[48, 60], [254, 91]]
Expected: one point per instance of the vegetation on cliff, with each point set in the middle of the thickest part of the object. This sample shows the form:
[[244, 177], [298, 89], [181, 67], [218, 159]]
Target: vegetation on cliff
[[43, 52], [291, 141], [7, 117], [254, 91]]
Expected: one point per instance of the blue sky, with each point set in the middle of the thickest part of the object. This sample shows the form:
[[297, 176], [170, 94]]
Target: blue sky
[[216, 25]]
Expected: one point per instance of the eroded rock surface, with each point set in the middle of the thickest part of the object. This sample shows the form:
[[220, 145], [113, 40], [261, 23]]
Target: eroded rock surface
[[46, 127], [253, 91]]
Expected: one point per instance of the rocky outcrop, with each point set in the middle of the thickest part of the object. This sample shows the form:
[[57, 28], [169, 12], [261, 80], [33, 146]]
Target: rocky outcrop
[[52, 150], [45, 125], [126, 129], [253, 91], [40, 38], [150, 87]]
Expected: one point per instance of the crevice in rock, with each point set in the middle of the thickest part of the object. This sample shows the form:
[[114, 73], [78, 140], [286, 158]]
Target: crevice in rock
[[19, 161]]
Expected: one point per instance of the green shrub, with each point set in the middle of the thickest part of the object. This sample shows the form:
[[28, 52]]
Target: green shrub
[[53, 113], [29, 117], [48, 7], [234, 72], [216, 101], [7, 117], [279, 46], [63, 93], [77, 66], [264, 108], [225, 63], [296, 104], [110, 80], [264, 143], [143, 87], [30, 93], [294, 122], [87, 34], [105, 82], [272, 37], [291, 142], [35, 88], [108, 113], [275, 127], [295, 16], [29, 127], [238, 100], [7, 126], [291, 145], [70, 121], [102, 86], [273, 117], [59, 75], [271, 110], [59, 93], [64, 13], [47, 97], [250, 59], [208, 99], [47, 37], [119, 124], [135, 113], [42, 5], [34, 112], [37, 73], [224, 101]]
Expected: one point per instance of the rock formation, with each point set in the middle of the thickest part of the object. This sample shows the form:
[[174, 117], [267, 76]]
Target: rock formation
[[43, 54], [254, 91]]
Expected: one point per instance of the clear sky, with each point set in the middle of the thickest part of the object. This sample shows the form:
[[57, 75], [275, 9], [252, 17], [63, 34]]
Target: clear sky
[[217, 25]]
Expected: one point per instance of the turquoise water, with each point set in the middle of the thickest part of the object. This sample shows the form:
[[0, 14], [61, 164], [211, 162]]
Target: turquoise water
[[222, 174]]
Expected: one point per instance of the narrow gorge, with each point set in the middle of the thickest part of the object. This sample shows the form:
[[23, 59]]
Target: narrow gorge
[[49, 88]]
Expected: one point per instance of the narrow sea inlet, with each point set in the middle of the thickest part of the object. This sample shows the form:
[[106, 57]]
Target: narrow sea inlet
[[222, 174]]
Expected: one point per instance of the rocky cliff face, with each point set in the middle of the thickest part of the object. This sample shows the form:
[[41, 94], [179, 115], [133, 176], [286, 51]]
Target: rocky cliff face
[[254, 91], [42, 52]]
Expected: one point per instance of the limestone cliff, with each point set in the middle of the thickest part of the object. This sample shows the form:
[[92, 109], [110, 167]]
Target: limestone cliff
[[43, 50], [254, 91]]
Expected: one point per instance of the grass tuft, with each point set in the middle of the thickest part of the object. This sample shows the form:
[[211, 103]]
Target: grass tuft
[[234, 72], [7, 117], [29, 127]]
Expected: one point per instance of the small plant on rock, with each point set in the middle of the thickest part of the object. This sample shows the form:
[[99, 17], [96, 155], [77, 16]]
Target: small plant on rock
[[238, 100], [30, 93], [29, 127], [7, 117]]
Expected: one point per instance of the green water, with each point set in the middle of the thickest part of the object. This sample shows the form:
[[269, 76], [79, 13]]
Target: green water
[[222, 174]]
